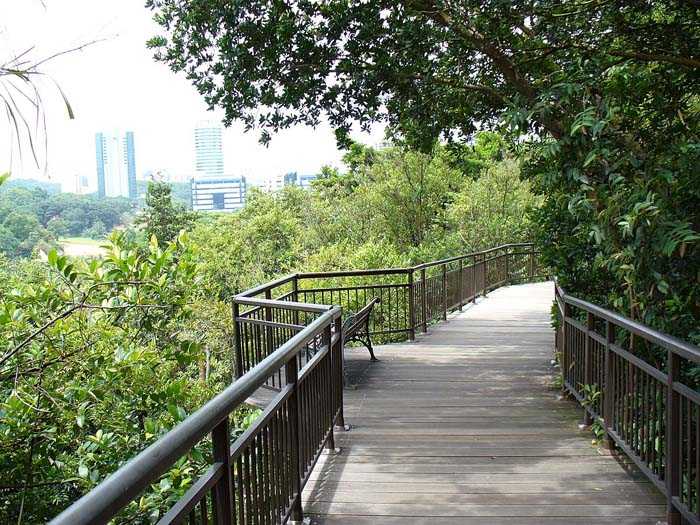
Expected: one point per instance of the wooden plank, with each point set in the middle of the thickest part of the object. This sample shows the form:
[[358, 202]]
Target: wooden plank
[[419, 520], [461, 426], [486, 511]]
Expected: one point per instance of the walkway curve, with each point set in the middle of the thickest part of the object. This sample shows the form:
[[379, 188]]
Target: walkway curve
[[463, 427]]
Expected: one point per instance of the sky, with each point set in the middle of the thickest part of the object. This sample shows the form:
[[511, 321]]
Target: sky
[[115, 84]]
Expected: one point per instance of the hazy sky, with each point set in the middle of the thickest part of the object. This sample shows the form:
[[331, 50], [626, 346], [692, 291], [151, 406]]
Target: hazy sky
[[116, 85]]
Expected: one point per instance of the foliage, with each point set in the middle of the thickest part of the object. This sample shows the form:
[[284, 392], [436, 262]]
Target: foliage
[[181, 191], [161, 217], [601, 97], [94, 366], [493, 208], [33, 217]]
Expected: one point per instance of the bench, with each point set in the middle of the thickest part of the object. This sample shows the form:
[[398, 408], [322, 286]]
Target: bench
[[356, 327]]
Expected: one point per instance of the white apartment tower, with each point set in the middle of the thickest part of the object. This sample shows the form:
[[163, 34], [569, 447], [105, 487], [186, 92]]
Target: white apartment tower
[[209, 155]]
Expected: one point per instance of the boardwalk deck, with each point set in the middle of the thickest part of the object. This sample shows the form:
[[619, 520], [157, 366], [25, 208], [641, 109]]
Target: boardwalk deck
[[462, 427]]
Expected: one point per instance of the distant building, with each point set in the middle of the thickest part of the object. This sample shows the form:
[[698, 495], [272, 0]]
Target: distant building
[[116, 164], [218, 193], [294, 179], [274, 183], [208, 150], [305, 181]]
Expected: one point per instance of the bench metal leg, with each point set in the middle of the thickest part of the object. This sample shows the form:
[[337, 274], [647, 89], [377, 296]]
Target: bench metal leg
[[368, 343]]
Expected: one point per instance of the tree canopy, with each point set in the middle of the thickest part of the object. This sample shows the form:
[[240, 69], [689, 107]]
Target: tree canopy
[[601, 96]]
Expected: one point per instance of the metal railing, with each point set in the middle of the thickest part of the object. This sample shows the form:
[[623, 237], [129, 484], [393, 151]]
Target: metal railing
[[635, 382], [259, 477], [288, 338], [411, 299]]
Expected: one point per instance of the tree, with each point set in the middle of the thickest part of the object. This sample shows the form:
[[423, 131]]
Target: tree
[[8, 242], [493, 209], [21, 224], [601, 98], [96, 231], [161, 217]]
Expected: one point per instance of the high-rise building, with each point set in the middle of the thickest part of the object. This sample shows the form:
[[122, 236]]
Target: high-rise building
[[218, 194], [294, 179], [209, 155], [305, 181], [290, 179], [116, 164]]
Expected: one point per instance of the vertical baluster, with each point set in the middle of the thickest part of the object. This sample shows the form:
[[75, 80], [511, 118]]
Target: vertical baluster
[[221, 439], [411, 306], [295, 441], [237, 350], [609, 393], [339, 364], [565, 342], [328, 392], [587, 363], [460, 285], [424, 299], [506, 272], [444, 292], [673, 427]]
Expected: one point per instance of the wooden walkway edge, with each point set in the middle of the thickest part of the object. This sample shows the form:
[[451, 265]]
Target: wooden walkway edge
[[462, 426]]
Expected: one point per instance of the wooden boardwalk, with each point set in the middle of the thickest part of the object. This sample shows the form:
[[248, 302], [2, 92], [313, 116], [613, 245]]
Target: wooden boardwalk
[[463, 427]]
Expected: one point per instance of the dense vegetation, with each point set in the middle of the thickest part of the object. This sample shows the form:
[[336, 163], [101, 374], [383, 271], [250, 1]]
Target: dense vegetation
[[597, 105], [98, 358], [602, 98], [33, 218]]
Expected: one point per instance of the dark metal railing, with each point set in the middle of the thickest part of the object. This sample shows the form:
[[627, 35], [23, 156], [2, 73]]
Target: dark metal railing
[[411, 299], [288, 339], [637, 383], [260, 476]]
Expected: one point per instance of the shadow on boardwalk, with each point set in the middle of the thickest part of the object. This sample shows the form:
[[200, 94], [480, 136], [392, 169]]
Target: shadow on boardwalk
[[462, 427]]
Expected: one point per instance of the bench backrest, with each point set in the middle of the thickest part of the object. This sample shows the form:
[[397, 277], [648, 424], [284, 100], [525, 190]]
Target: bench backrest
[[360, 318]]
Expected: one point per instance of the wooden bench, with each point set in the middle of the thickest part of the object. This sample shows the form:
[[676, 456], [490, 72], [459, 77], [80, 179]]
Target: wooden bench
[[356, 327]]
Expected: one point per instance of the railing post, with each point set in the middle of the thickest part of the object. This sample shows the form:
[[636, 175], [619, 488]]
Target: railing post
[[532, 262], [587, 366], [461, 285], [444, 292], [564, 343], [237, 347], [326, 341], [608, 391], [673, 424], [474, 265], [339, 363], [424, 299], [222, 501], [291, 372], [411, 307], [507, 266]]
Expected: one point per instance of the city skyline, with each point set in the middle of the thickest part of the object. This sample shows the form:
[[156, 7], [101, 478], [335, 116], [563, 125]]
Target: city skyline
[[115, 84]]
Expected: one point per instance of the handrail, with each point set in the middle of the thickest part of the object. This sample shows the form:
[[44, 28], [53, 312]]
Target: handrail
[[411, 298], [114, 493], [644, 406], [667, 341], [292, 329]]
